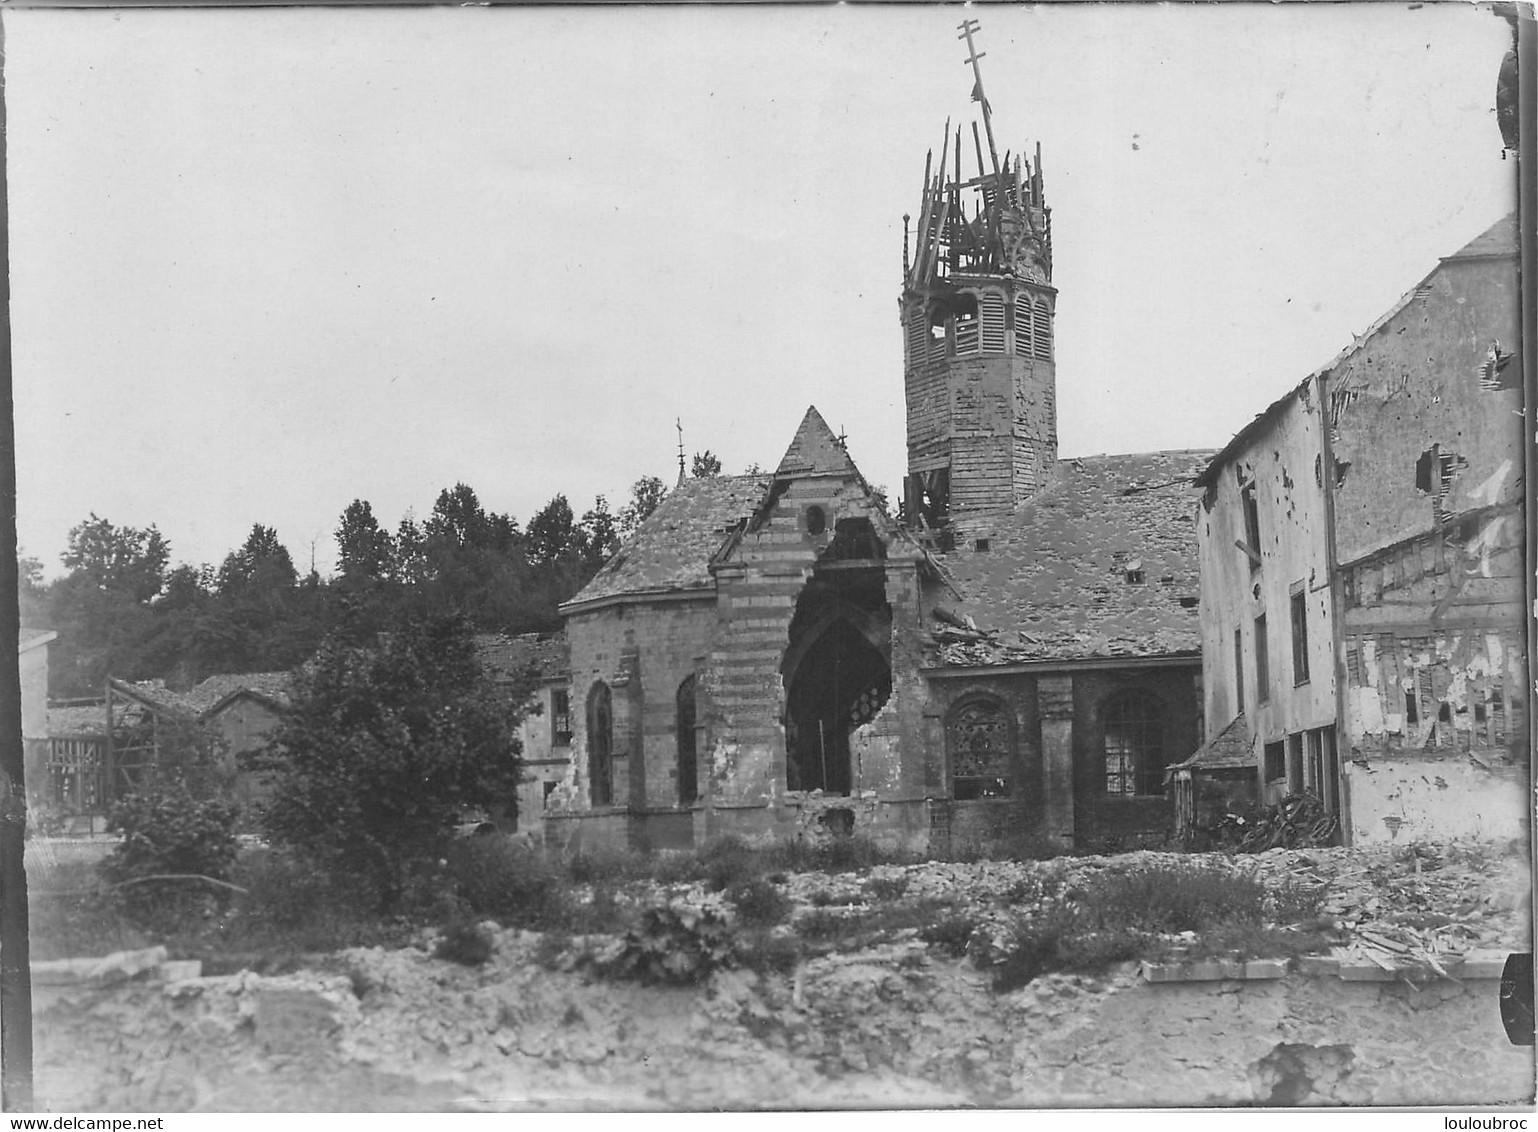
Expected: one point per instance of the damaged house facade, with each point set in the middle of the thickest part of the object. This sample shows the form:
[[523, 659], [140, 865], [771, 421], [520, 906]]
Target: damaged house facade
[[1361, 557], [1016, 656]]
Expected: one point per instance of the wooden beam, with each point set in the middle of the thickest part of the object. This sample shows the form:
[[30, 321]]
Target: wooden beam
[[1248, 553]]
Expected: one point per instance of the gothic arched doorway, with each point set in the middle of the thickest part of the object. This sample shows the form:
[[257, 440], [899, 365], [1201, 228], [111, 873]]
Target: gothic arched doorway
[[839, 681]]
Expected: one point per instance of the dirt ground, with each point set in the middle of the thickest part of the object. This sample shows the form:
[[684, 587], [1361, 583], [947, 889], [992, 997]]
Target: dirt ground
[[893, 1025]]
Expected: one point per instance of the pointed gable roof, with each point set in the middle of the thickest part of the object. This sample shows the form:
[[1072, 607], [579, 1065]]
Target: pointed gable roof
[[816, 451], [1500, 239]]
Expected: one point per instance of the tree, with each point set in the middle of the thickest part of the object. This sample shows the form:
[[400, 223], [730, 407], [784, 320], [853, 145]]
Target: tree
[[262, 565], [551, 533], [706, 464], [599, 536], [383, 747], [645, 494], [364, 551], [127, 561]]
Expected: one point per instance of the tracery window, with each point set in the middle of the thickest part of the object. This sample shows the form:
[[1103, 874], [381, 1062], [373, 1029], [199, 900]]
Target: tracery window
[[1134, 745], [980, 739]]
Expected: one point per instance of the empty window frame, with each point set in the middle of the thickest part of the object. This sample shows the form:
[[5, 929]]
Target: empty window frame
[[967, 335], [1251, 522], [600, 745], [1295, 763], [979, 737], [1275, 762], [1238, 673], [688, 759], [1299, 607], [560, 717], [1262, 662], [1134, 745]]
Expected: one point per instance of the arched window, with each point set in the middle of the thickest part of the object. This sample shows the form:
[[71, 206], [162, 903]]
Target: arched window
[[688, 763], [966, 325], [600, 745], [979, 738], [1022, 326], [1041, 338], [918, 337], [1134, 744], [993, 323]]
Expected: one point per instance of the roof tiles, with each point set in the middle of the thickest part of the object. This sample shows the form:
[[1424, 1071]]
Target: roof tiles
[[1092, 567]]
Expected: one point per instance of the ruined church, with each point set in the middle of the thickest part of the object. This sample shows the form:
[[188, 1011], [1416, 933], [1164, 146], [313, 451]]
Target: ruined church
[[1014, 656]]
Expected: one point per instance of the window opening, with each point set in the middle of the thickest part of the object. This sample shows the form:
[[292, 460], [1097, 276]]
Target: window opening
[[993, 324], [1295, 763], [981, 742], [1300, 638], [1238, 673], [688, 762], [1276, 762], [1134, 745], [560, 718], [816, 520], [1262, 662], [1041, 338], [600, 745], [1251, 523], [967, 341]]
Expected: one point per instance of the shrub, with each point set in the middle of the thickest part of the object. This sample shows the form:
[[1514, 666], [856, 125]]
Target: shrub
[[758, 902], [671, 945], [295, 904], [728, 861], [886, 888], [464, 942], [952, 934], [169, 832], [499, 879], [1175, 898], [768, 952], [383, 747]]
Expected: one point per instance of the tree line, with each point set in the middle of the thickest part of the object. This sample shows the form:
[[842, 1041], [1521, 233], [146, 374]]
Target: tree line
[[121, 608]]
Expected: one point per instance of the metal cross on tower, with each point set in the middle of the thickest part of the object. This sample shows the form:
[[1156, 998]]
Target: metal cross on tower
[[967, 27]]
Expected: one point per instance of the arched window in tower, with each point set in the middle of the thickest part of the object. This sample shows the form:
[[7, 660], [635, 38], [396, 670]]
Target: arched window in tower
[[1041, 338], [1022, 326], [1134, 744], [980, 741], [966, 325], [936, 345], [688, 760], [993, 323], [600, 745]]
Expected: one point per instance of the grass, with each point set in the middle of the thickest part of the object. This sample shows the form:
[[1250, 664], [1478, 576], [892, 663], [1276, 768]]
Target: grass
[[1124, 910]]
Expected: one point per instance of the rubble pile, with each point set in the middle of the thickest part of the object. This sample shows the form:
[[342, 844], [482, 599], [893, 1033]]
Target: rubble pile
[[883, 1023]]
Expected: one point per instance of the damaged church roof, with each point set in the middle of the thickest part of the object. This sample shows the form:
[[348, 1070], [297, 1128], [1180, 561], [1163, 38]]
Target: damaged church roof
[[506, 658], [212, 693], [1099, 565], [670, 551]]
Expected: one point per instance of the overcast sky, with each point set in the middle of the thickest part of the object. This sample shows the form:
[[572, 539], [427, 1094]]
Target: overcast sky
[[268, 261]]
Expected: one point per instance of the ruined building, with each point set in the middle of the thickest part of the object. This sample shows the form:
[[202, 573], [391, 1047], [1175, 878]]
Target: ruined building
[[1361, 558], [1015, 657]]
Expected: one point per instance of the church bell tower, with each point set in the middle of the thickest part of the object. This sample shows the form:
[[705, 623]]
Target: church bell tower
[[977, 314]]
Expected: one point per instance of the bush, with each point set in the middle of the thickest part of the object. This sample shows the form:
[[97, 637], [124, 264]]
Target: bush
[[768, 952], [759, 903], [677, 946], [498, 879], [294, 904], [952, 934], [1175, 898], [464, 942], [886, 888], [728, 861], [169, 832], [383, 747]]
